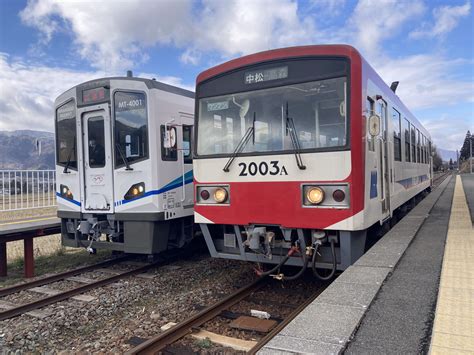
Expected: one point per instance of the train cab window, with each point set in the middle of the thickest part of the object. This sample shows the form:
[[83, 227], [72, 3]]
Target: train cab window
[[406, 130], [397, 139], [187, 144], [413, 144], [66, 140], [418, 146], [95, 132], [369, 107], [169, 152], [316, 111], [131, 127]]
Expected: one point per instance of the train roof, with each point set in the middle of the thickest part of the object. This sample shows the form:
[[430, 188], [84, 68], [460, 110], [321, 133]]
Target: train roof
[[312, 50], [150, 83]]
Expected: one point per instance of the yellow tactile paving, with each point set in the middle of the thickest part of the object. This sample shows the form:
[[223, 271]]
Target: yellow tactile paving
[[453, 331]]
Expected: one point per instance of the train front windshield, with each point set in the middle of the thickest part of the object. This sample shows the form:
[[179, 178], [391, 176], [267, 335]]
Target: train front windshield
[[317, 108]]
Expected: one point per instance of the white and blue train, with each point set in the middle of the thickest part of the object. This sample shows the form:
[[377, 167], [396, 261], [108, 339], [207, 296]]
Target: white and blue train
[[124, 165]]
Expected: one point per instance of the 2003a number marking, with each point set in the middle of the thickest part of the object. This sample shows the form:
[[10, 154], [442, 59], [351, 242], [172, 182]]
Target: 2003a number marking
[[263, 168]]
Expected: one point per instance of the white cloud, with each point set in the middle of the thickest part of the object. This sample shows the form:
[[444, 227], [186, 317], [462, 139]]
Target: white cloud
[[115, 37], [427, 80], [448, 132], [112, 36], [27, 92], [236, 27], [376, 20], [446, 18]]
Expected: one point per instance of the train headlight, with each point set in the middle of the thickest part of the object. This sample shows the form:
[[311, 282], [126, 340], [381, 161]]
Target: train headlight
[[65, 192], [315, 195], [135, 191], [220, 195], [338, 195]]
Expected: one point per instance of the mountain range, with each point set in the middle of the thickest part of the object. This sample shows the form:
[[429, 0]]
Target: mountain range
[[20, 150]]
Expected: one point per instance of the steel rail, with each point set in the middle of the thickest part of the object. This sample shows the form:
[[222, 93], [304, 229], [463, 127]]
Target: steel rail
[[13, 312], [159, 342], [57, 277], [261, 343]]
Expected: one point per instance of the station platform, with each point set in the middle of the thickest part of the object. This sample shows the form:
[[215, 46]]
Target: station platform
[[25, 230], [411, 293]]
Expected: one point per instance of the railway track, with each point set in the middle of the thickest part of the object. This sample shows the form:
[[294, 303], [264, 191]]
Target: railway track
[[439, 179], [11, 312], [163, 341]]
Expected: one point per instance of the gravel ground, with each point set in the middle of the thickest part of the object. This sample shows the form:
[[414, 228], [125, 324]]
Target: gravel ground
[[130, 307]]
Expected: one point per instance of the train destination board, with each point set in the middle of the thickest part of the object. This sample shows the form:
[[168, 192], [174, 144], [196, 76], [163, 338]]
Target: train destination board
[[252, 77]]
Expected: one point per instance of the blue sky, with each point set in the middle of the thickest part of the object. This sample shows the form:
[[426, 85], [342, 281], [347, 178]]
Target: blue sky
[[48, 46]]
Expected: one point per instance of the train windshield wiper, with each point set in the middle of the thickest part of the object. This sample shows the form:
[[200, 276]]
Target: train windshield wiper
[[127, 164], [242, 143], [291, 130], [68, 162]]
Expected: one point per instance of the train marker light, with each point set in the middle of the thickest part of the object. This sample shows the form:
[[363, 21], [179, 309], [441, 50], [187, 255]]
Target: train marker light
[[135, 191], [65, 192], [220, 195], [338, 195], [315, 195], [205, 194]]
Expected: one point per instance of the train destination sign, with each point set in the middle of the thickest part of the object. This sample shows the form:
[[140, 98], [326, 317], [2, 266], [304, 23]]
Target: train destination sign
[[93, 95], [258, 76]]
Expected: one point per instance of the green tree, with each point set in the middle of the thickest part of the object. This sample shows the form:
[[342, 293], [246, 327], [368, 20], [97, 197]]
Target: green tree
[[437, 161]]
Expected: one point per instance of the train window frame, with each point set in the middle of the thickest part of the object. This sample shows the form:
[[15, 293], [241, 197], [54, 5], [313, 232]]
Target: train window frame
[[92, 163], [418, 146], [168, 154], [413, 142], [348, 75], [71, 166], [118, 161], [188, 157], [406, 131], [396, 122]]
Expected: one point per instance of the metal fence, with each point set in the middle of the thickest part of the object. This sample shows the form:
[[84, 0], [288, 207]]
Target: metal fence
[[27, 189]]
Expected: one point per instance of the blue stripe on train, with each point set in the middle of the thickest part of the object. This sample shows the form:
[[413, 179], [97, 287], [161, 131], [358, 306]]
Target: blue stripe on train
[[188, 178], [412, 181], [77, 203]]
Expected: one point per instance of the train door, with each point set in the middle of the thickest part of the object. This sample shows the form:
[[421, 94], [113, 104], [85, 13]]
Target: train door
[[384, 161], [187, 197], [97, 161]]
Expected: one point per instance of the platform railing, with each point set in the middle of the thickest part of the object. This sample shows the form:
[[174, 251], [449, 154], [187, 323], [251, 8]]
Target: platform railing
[[27, 189]]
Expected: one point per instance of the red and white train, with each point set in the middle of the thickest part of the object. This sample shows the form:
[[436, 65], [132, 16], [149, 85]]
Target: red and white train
[[298, 151]]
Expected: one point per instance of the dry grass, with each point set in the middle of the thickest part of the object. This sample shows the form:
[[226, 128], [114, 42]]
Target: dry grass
[[42, 246], [11, 216]]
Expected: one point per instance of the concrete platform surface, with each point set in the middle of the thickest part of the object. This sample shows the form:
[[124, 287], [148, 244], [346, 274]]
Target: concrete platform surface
[[328, 325], [401, 317], [453, 330], [29, 225]]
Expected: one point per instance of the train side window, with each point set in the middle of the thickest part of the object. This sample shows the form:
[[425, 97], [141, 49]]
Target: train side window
[[171, 153], [406, 129], [187, 144], [423, 152], [418, 146], [397, 139], [413, 144], [369, 107]]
